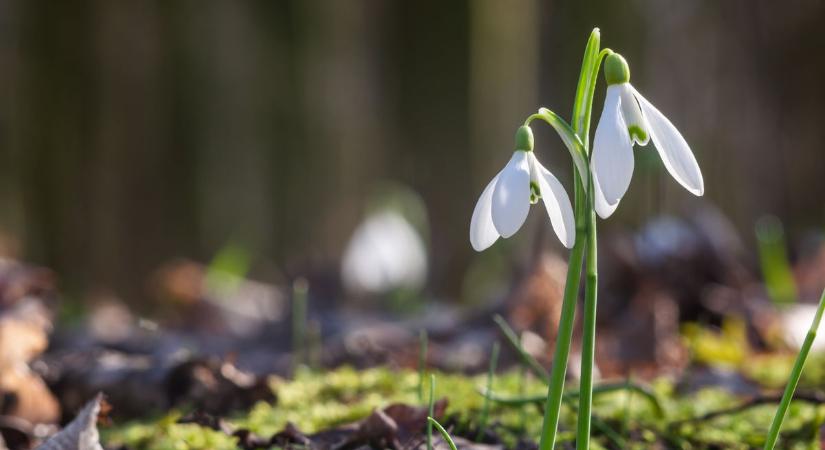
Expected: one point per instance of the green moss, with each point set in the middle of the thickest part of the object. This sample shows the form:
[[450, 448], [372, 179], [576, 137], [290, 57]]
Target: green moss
[[316, 401], [166, 434]]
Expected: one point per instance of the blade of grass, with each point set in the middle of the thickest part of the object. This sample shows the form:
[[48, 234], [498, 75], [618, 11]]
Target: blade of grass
[[782, 411], [521, 390], [569, 399], [773, 259], [300, 289], [485, 409], [528, 362], [431, 410], [526, 358], [628, 402], [573, 394], [422, 362], [434, 423]]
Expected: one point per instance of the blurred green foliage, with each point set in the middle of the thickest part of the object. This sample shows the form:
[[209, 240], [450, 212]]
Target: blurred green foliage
[[773, 259]]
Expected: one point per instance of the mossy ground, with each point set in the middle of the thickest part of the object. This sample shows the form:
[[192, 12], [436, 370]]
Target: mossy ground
[[315, 401]]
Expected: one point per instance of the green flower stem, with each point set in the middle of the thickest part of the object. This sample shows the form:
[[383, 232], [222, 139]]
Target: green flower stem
[[565, 334], [568, 136], [564, 337], [591, 280], [776, 425], [588, 100], [589, 333]]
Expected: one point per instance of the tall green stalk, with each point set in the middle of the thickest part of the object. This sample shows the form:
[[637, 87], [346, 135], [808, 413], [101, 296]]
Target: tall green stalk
[[565, 333], [555, 392], [588, 335], [592, 276], [782, 411]]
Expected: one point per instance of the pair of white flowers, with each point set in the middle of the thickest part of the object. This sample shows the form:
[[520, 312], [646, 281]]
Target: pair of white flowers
[[627, 118]]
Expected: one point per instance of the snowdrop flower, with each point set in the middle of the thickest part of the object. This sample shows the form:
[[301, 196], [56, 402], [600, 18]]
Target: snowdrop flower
[[505, 202], [629, 118], [385, 253]]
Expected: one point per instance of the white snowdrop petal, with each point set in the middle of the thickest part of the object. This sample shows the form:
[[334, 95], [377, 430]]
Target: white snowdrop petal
[[633, 117], [482, 231], [673, 149], [511, 195], [612, 160], [603, 209], [556, 202]]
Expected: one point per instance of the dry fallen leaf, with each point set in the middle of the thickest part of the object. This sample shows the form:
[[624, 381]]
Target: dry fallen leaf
[[81, 433]]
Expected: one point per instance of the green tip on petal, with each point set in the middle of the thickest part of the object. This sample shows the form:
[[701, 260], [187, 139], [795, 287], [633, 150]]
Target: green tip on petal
[[616, 70], [637, 133], [535, 193], [524, 139]]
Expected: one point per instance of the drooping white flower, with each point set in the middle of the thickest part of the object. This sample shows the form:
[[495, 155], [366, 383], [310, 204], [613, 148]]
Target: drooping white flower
[[505, 202], [385, 253], [627, 119]]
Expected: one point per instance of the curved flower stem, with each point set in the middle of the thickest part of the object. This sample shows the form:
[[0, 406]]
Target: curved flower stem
[[571, 289], [782, 411], [568, 136]]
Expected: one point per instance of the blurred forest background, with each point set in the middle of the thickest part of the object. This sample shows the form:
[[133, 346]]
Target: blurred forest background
[[133, 133]]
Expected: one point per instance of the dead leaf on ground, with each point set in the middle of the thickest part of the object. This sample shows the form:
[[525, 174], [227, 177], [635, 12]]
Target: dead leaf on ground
[[81, 433]]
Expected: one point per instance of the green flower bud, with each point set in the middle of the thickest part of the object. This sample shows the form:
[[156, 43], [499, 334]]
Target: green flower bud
[[524, 139], [616, 70]]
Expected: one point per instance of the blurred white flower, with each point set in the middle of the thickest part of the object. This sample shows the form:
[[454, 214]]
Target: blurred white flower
[[385, 253], [796, 321], [629, 118], [505, 202]]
